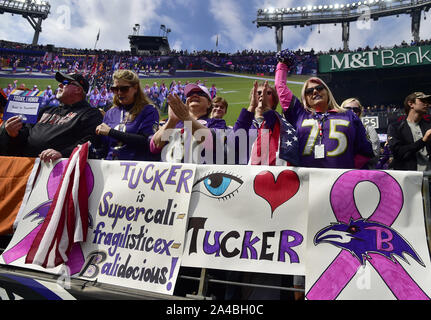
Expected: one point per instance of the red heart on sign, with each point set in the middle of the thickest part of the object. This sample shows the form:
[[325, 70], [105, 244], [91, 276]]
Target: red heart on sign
[[276, 192]]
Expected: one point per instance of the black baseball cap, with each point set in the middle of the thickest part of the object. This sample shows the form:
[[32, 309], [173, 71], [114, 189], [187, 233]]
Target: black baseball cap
[[60, 77]]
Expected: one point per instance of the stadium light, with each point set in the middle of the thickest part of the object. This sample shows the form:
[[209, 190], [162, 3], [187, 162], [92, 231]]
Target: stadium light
[[341, 13], [33, 10]]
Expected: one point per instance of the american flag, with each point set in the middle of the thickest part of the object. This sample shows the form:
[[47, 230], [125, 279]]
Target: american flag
[[279, 143], [67, 220]]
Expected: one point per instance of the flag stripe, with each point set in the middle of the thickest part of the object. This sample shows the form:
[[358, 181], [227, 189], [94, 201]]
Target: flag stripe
[[67, 220]]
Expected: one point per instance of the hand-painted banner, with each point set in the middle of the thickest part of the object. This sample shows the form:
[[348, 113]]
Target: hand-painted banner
[[138, 215], [354, 234], [366, 236], [248, 218]]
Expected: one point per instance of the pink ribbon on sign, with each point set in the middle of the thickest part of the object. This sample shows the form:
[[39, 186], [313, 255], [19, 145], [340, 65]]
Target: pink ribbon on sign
[[345, 265]]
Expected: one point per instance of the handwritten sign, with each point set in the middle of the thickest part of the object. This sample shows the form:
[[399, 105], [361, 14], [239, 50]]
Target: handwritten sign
[[26, 107], [138, 215], [248, 218]]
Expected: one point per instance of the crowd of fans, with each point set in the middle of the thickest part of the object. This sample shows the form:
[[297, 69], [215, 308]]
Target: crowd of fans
[[100, 99]]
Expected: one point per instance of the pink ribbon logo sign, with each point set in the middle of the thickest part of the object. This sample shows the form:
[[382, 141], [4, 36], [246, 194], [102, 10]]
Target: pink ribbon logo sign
[[366, 239], [21, 249]]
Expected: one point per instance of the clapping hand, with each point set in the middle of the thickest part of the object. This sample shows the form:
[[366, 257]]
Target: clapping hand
[[177, 108], [263, 99], [254, 99]]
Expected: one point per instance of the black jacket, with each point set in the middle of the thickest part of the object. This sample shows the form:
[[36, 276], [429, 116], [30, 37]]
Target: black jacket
[[60, 128], [403, 147]]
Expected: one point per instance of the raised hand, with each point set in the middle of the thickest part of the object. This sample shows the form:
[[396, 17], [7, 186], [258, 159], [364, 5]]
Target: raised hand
[[177, 107], [286, 56], [254, 99]]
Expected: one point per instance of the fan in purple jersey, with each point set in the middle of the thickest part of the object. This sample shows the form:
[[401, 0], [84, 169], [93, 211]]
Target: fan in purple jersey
[[129, 124], [329, 136]]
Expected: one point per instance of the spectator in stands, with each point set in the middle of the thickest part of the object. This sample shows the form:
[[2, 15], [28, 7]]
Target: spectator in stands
[[355, 105], [213, 91], [35, 90], [196, 110], [10, 88], [94, 98], [261, 114], [219, 107], [104, 100], [386, 158], [410, 138], [129, 124], [329, 136], [59, 129]]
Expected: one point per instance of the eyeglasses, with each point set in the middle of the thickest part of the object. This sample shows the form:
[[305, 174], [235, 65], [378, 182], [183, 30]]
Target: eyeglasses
[[122, 89], [261, 92], [310, 91], [199, 93], [73, 83]]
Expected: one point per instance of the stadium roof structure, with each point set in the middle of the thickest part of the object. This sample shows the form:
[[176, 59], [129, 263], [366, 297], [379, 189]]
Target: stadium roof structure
[[35, 11], [361, 11]]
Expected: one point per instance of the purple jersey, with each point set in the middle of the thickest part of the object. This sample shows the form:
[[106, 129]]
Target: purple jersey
[[341, 133]]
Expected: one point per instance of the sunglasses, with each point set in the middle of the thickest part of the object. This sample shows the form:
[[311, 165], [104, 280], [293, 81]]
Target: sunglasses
[[261, 92], [354, 109], [122, 89], [199, 93], [310, 91], [72, 83]]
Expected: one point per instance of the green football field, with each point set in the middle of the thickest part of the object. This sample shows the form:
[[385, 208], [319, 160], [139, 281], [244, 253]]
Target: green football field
[[235, 90]]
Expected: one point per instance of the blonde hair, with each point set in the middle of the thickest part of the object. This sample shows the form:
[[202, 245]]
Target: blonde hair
[[349, 100], [332, 103], [141, 99]]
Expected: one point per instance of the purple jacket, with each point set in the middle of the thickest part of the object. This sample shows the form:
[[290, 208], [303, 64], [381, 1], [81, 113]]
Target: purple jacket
[[133, 142]]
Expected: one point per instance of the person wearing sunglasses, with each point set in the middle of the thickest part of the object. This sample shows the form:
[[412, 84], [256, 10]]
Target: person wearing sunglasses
[[355, 105], [196, 111], [58, 129], [131, 121], [329, 137]]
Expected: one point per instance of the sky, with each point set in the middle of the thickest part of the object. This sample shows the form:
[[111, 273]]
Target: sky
[[197, 24]]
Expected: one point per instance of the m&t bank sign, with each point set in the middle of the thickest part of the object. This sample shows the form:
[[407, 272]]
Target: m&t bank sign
[[376, 59]]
